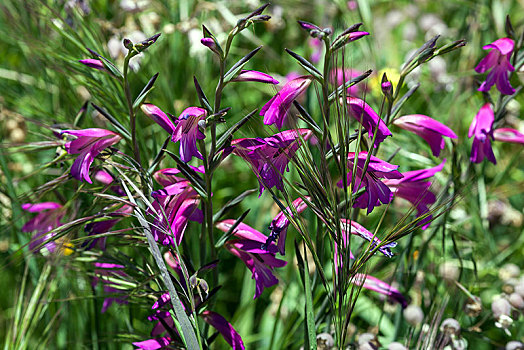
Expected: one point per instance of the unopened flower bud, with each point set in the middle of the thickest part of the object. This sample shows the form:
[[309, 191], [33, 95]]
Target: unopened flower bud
[[325, 341], [500, 307], [509, 271], [327, 31], [261, 18], [449, 271], [365, 338], [413, 315], [128, 44], [514, 345], [396, 346], [519, 288], [450, 326], [202, 124], [516, 301]]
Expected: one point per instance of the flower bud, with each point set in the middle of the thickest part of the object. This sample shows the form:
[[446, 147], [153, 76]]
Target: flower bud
[[500, 307], [519, 288], [514, 345], [509, 271], [413, 315], [128, 44], [396, 346], [516, 301], [450, 326], [325, 341]]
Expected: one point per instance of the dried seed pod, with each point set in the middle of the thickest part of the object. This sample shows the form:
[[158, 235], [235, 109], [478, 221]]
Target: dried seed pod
[[450, 326], [500, 307], [514, 345], [473, 306], [325, 341]]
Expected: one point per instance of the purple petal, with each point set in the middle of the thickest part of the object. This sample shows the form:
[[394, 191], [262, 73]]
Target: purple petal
[[230, 335], [369, 119], [159, 117], [252, 75], [38, 207], [153, 344], [93, 63], [508, 135], [374, 284]]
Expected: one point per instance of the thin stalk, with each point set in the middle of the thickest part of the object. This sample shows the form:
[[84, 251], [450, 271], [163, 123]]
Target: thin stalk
[[132, 117]]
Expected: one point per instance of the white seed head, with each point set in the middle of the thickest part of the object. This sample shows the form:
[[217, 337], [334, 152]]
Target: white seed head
[[509, 271], [450, 326], [325, 341], [396, 346], [500, 307], [516, 301], [365, 338], [514, 345], [449, 271]]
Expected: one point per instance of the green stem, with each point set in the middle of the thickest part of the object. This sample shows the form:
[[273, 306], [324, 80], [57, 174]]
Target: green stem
[[136, 150]]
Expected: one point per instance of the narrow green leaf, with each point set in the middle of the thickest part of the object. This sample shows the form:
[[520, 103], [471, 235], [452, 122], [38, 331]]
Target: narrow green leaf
[[239, 65], [306, 65], [121, 129], [204, 102], [229, 233], [109, 65], [229, 133], [339, 91], [231, 204], [145, 91]]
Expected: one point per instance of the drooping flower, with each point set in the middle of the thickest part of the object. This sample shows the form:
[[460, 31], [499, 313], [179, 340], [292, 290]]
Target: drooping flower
[[498, 61], [88, 144], [376, 191], [276, 109], [428, 128], [92, 63], [174, 206], [369, 119], [248, 247], [481, 129], [47, 219], [225, 328], [253, 75], [508, 135], [269, 157], [280, 224], [109, 274], [187, 132], [413, 188], [374, 284], [354, 228], [159, 117], [170, 176]]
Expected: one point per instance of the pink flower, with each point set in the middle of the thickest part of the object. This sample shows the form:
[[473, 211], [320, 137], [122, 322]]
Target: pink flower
[[414, 189], [187, 132], [159, 117], [47, 219], [88, 144], [369, 119], [374, 284], [481, 129], [248, 247], [93, 63], [508, 135], [429, 129], [276, 109], [498, 61], [376, 191]]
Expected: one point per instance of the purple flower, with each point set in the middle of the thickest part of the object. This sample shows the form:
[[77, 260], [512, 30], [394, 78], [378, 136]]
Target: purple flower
[[187, 132], [376, 191], [269, 157], [316, 45], [508, 135], [106, 178], [248, 247], [159, 117], [174, 206], [47, 219], [374, 284], [225, 328], [253, 75], [498, 61], [168, 176], [280, 224], [481, 129], [276, 109], [105, 226], [93, 63], [108, 273], [414, 189], [369, 119], [354, 228], [429, 129], [153, 344], [88, 144]]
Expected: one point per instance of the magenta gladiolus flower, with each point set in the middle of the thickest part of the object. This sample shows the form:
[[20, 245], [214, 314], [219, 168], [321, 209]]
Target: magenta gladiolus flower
[[498, 61], [354, 228], [374, 284], [108, 273], [280, 224], [414, 189], [276, 109], [248, 247], [253, 75], [169, 176], [159, 117], [187, 132], [47, 219], [174, 206], [481, 129], [88, 144], [428, 128], [508, 135], [369, 119], [269, 157], [225, 328], [93, 63], [99, 227], [376, 191]]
